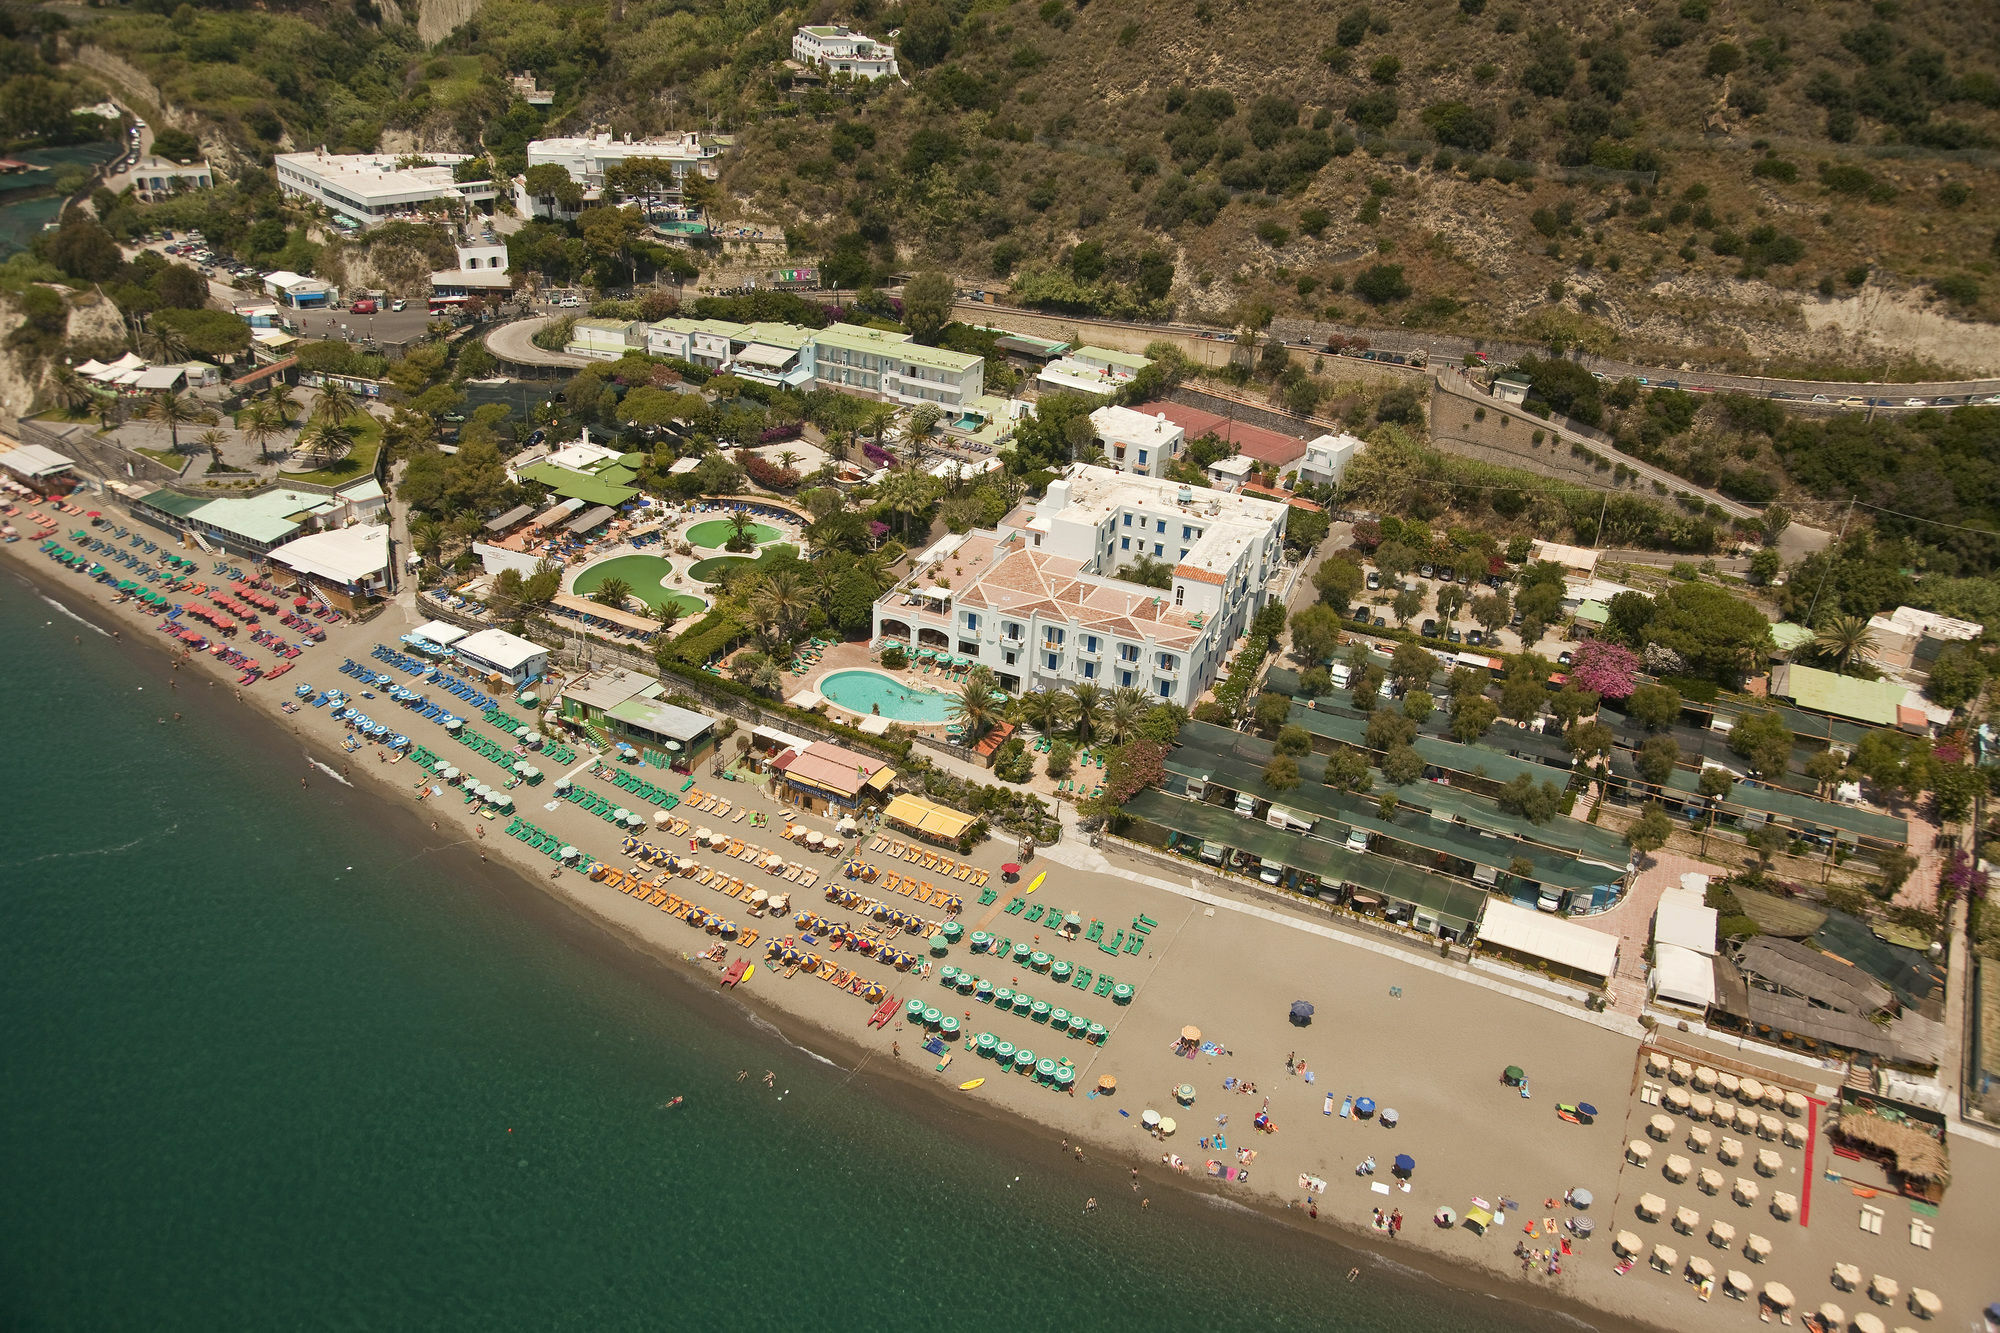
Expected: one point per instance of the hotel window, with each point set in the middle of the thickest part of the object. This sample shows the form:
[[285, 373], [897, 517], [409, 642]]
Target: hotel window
[[1128, 520], [1180, 593], [1158, 550], [1090, 643], [1089, 670], [1054, 661], [1125, 680], [1142, 458], [1187, 533], [971, 621], [1011, 628], [1168, 662], [1184, 551], [1128, 652], [1166, 689], [1053, 637], [1124, 543], [1162, 525]]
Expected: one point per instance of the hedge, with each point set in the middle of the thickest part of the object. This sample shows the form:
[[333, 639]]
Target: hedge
[[710, 637]]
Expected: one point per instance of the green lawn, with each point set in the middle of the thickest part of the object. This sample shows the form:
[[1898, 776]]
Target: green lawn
[[167, 456], [358, 463]]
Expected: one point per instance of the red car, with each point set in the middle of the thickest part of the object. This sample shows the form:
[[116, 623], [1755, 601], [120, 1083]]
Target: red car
[[364, 307]]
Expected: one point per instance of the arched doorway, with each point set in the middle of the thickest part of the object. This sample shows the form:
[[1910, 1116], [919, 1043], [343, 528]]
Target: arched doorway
[[895, 629], [927, 637]]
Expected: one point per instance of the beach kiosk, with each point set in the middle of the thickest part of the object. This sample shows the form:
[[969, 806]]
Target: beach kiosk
[[495, 652]]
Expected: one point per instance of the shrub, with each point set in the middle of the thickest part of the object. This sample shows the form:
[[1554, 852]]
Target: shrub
[[1379, 284], [766, 473]]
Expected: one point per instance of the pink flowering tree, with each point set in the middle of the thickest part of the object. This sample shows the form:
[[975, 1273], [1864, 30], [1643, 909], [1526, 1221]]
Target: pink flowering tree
[[1605, 669]]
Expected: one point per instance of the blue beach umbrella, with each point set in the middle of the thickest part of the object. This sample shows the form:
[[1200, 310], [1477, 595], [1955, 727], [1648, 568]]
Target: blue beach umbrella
[[1366, 1106]]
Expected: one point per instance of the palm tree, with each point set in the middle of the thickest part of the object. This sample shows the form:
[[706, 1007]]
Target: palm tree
[[612, 592], [324, 441], [909, 497], [282, 402], [768, 679], [1843, 639], [671, 613], [427, 535], [973, 707], [1086, 711], [1129, 707], [1044, 710], [787, 457], [171, 410], [336, 403], [260, 427], [162, 343], [71, 389], [213, 440], [782, 596], [740, 524]]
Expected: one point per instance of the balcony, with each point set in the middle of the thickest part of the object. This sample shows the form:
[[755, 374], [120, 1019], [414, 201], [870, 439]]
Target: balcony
[[1087, 653], [1166, 673]]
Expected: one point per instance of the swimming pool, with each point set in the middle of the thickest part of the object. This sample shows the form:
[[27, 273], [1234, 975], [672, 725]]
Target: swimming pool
[[717, 531], [866, 692], [646, 574]]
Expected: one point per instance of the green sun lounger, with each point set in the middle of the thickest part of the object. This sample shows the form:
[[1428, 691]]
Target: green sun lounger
[[1081, 980], [987, 897], [1095, 933], [1104, 985], [1134, 943], [1033, 914], [1117, 942]]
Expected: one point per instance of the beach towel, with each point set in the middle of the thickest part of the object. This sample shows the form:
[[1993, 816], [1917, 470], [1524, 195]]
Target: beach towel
[[1311, 1184]]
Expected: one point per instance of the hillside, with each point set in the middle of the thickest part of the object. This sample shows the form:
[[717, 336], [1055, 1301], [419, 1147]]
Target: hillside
[[1720, 181]]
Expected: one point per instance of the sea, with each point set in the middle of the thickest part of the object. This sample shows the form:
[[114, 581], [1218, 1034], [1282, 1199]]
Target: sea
[[274, 1060]]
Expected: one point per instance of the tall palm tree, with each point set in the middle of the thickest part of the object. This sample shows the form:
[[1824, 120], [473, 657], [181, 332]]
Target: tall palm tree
[[973, 707], [325, 441], [909, 496], [71, 389], [336, 403], [1044, 710], [1843, 639], [212, 441], [740, 524], [283, 403], [171, 410], [1129, 707], [162, 343], [1086, 711], [783, 596], [260, 427], [768, 679], [427, 535]]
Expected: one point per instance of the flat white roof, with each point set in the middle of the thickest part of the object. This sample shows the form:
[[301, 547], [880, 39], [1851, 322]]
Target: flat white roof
[[344, 555], [33, 460], [1682, 976], [1540, 935], [508, 652], [441, 632], [1122, 423], [1684, 921]]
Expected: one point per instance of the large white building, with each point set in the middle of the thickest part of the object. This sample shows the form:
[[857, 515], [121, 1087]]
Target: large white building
[[366, 188], [1136, 441], [1327, 458], [586, 157], [481, 271], [1036, 600], [839, 50], [882, 364]]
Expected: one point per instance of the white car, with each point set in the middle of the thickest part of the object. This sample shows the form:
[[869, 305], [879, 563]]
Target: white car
[[1271, 874], [1915, 402], [1357, 840], [1990, 400], [397, 305], [1551, 900]]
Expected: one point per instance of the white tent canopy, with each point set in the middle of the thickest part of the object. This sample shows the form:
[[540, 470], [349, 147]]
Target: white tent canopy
[[1684, 921], [1683, 977], [440, 633], [1526, 931]]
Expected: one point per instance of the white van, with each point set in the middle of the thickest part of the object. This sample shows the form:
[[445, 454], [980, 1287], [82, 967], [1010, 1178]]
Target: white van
[[1287, 820], [1246, 804], [1342, 674]]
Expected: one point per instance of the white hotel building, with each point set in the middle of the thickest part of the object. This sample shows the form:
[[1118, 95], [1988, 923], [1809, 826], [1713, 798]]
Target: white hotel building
[[1035, 600], [367, 188], [840, 50]]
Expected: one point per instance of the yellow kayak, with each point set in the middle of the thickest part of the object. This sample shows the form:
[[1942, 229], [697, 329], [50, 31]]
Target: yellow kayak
[[1038, 881], [749, 971], [970, 1084]]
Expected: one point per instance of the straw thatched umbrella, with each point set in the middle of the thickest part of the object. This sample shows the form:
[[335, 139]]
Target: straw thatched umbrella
[[1784, 1206], [1795, 1134], [1834, 1316], [1779, 1295], [1701, 1108], [1724, 1115], [1756, 1248], [1681, 1071], [1650, 1207], [1770, 1127], [1677, 1100], [1665, 1258], [1731, 1151], [1711, 1181], [1925, 1304], [1883, 1290], [1656, 1064], [1701, 1267], [1639, 1152], [1750, 1092], [1919, 1155], [1699, 1139], [1660, 1128], [1704, 1078], [1677, 1169], [1746, 1120], [1738, 1283], [1774, 1097], [1686, 1220], [1846, 1276], [1768, 1162], [1721, 1234], [1795, 1105], [1866, 1322], [1627, 1244], [1727, 1083], [1746, 1191]]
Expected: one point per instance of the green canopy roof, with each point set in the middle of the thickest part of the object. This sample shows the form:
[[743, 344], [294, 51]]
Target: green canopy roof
[[572, 485]]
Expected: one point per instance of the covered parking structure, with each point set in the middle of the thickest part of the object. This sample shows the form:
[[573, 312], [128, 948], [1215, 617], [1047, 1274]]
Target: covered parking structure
[[1751, 804], [1309, 863]]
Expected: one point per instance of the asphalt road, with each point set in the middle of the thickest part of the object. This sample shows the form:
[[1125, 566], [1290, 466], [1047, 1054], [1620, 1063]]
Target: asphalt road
[[510, 342]]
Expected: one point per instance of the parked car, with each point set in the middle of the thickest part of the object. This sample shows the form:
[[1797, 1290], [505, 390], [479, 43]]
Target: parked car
[[1915, 402], [365, 306], [1565, 658], [1374, 580], [397, 305], [1445, 574], [1550, 900], [1381, 623], [1426, 571], [1357, 840], [1476, 637], [1430, 629], [1453, 636]]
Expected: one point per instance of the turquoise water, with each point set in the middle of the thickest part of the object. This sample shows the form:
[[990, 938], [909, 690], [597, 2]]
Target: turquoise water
[[864, 691], [274, 1060]]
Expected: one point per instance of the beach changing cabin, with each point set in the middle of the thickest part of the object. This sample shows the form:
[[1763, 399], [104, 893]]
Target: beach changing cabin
[[495, 652]]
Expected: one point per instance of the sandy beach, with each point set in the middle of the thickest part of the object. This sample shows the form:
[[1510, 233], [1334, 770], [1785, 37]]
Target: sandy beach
[[1425, 1039]]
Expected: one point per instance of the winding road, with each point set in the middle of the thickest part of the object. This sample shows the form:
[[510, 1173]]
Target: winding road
[[514, 342]]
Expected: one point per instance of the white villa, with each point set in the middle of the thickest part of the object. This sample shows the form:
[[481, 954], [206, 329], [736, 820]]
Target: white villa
[[881, 364], [586, 157], [1092, 370], [481, 271], [367, 188], [1035, 598], [874, 363], [1134, 441], [839, 50], [1327, 458]]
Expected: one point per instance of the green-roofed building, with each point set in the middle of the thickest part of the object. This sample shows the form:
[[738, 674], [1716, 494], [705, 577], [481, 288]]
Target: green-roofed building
[[248, 524], [880, 363], [1882, 703], [574, 485], [1789, 638]]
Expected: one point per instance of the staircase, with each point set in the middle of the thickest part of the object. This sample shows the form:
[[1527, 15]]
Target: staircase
[[597, 733]]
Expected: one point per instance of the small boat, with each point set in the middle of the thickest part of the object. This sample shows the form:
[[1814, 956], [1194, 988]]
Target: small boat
[[668, 1106], [1346, 1107], [970, 1084]]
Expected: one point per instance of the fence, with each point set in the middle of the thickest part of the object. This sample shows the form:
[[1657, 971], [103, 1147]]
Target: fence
[[109, 460]]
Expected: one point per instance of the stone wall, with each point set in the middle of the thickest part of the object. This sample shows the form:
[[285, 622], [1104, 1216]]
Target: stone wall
[[111, 461], [1506, 437]]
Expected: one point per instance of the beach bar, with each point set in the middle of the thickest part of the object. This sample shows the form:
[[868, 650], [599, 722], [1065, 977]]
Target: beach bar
[[824, 777], [495, 652], [1533, 938], [927, 819]]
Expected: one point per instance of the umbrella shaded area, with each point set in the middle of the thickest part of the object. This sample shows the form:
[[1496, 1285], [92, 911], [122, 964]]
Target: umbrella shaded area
[[1302, 1013]]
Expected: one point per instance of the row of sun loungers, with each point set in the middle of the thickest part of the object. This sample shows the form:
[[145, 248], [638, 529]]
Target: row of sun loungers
[[930, 860]]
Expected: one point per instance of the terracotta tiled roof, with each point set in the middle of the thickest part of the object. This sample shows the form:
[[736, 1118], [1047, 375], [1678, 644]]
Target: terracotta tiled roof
[[1197, 575], [1265, 446]]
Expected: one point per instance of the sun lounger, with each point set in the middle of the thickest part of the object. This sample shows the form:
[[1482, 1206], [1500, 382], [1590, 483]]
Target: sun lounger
[[987, 897], [893, 883], [1104, 985], [1033, 914], [737, 818], [793, 871], [809, 879], [722, 809], [964, 872], [1134, 943], [1117, 943], [979, 877], [878, 845], [945, 864], [1016, 906], [1095, 933]]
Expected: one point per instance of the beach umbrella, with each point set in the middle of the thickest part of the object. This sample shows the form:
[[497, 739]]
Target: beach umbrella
[[1704, 1078], [1867, 1322], [1365, 1106], [1627, 1244], [1010, 869], [1701, 1108], [1579, 1198], [1660, 1128], [1768, 1162], [1404, 1164], [1746, 1191], [1778, 1294], [1750, 1091], [1721, 1234], [1184, 1094], [1582, 1226], [1711, 1181], [1389, 1117], [1107, 1083], [1586, 1110], [1738, 1282], [1686, 1220], [1665, 1257], [1883, 1289], [1925, 1303], [1650, 1207], [1701, 1267], [1731, 1151], [1846, 1276], [1678, 1168], [1795, 1134], [1795, 1104], [1784, 1205], [1149, 1118], [1757, 1248], [1639, 1152], [1832, 1314], [660, 818], [1167, 1126], [1190, 1034], [1680, 1070], [1677, 1100], [1769, 1127], [1699, 1139], [1444, 1217]]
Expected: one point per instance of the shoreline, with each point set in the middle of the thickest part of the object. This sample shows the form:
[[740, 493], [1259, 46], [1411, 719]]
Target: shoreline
[[982, 1118]]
